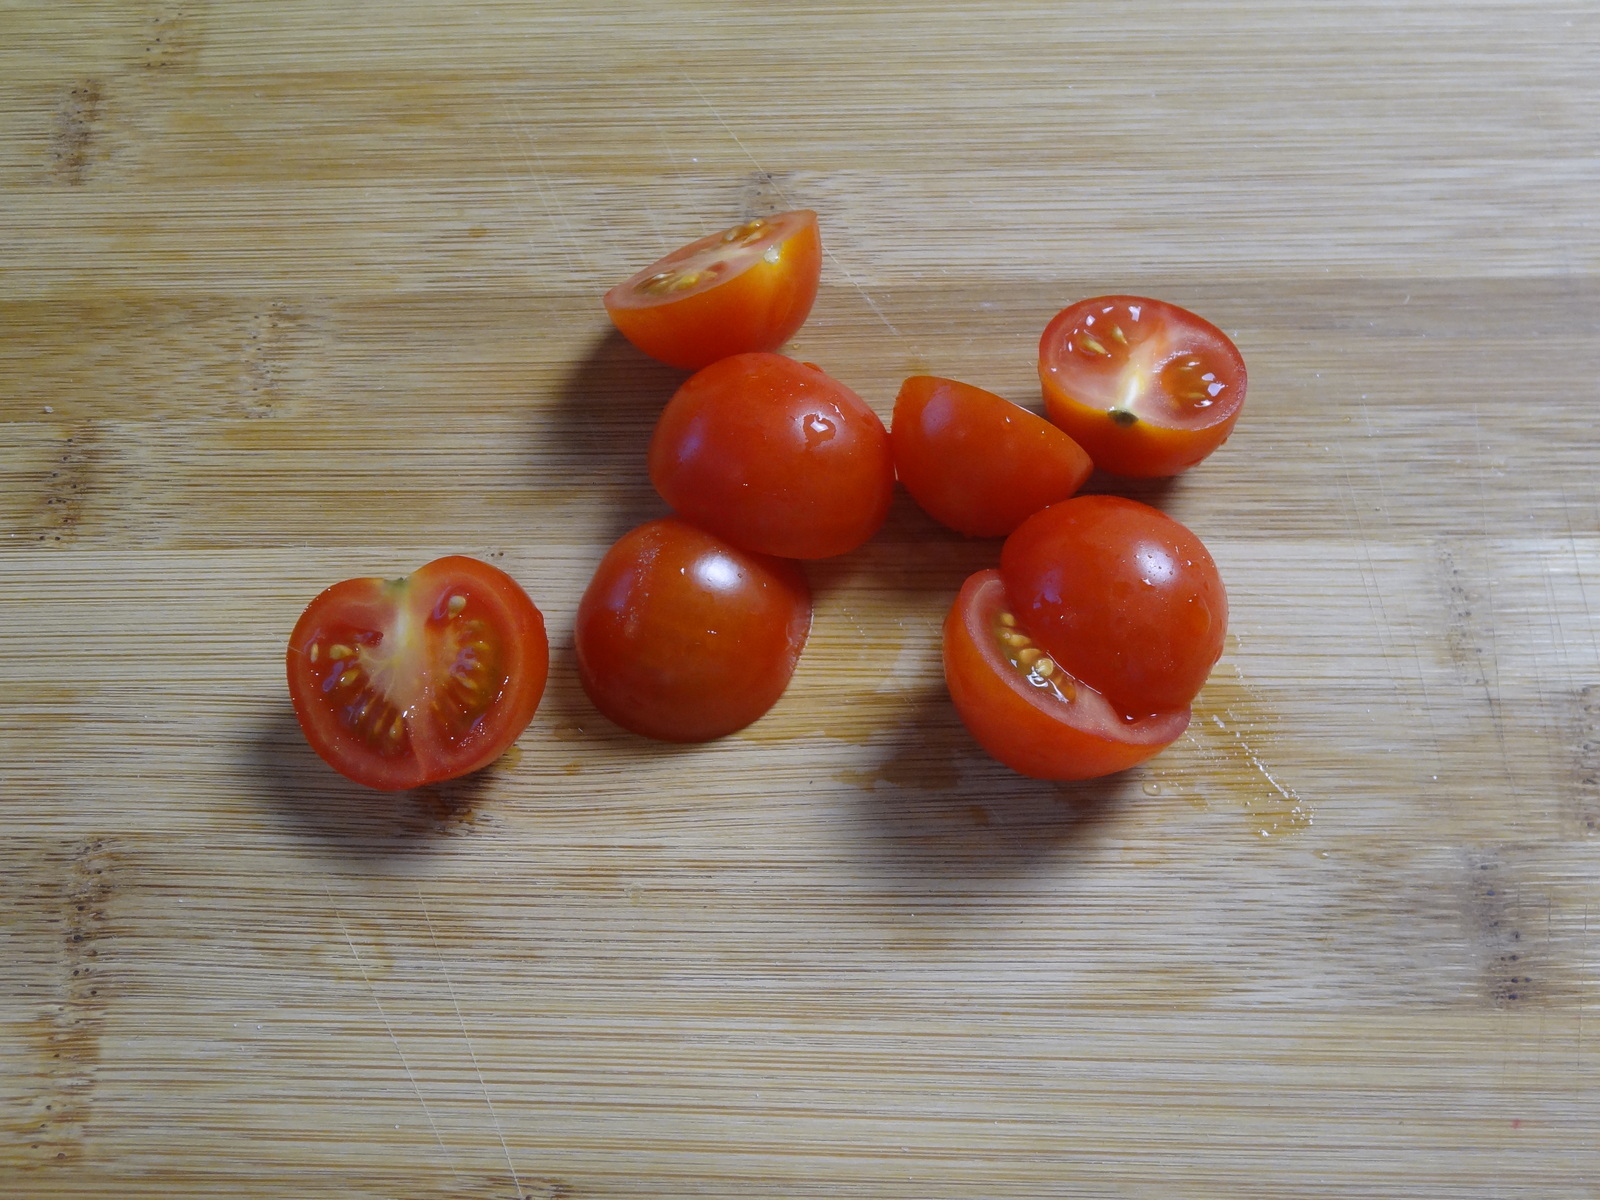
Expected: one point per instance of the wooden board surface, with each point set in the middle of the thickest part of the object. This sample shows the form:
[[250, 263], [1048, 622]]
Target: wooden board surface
[[294, 292]]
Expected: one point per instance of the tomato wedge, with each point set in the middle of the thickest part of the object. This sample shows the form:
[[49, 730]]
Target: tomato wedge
[[1147, 388], [747, 288], [1023, 708], [977, 462], [401, 682]]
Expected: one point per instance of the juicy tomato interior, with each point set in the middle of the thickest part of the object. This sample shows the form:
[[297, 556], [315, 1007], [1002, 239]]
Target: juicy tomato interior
[[1027, 710], [1126, 598], [775, 456], [747, 288], [1148, 388], [402, 682], [977, 462], [683, 637]]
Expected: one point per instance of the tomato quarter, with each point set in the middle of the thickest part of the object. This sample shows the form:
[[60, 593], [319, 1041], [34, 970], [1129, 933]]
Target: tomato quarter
[[401, 682], [747, 288], [775, 456], [1147, 388], [977, 462], [683, 637]]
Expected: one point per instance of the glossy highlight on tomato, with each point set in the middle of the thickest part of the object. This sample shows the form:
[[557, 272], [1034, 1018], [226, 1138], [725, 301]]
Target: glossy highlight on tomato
[[402, 682], [747, 288], [1024, 708], [683, 637], [1125, 598], [1147, 388], [775, 456], [977, 462]]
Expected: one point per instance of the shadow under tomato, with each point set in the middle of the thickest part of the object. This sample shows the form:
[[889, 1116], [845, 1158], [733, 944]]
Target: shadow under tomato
[[318, 803], [1154, 492], [603, 417]]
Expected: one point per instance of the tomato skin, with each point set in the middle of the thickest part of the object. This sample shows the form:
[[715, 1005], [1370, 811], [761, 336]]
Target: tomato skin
[[1151, 401], [401, 682], [1023, 726], [755, 292], [976, 462], [775, 456], [1121, 595], [685, 638]]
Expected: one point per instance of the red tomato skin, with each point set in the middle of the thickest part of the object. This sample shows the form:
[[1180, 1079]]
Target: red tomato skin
[[976, 462], [683, 637], [363, 610], [1144, 448], [1033, 733], [775, 456], [758, 308], [1125, 598]]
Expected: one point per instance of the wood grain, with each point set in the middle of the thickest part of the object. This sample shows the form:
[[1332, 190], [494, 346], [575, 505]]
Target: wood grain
[[294, 292]]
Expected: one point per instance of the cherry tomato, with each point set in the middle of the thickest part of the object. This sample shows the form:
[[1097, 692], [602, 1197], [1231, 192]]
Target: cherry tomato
[[401, 682], [977, 462], [682, 637], [1122, 596], [775, 456], [747, 288], [1026, 710], [1145, 387]]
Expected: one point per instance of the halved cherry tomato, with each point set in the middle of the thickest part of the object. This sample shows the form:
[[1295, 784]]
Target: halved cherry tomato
[[1147, 388], [775, 456], [1023, 708], [977, 462], [1122, 596], [401, 682], [747, 288], [682, 637]]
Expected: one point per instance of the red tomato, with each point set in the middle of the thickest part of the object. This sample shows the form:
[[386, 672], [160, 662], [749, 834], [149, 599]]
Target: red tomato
[[976, 462], [1122, 596], [774, 456], [747, 288], [1146, 388], [682, 637], [1024, 709], [401, 682]]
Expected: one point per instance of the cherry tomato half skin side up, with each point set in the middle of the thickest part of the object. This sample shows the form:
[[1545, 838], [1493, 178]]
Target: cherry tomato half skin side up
[[775, 456], [1026, 711], [1122, 596], [685, 638], [747, 288], [977, 462], [402, 682], [1147, 388]]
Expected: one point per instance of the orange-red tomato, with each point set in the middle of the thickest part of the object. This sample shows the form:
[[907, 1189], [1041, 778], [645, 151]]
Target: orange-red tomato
[[1123, 597], [1024, 709], [401, 682], [683, 637], [977, 462], [775, 456], [747, 288], [1147, 388]]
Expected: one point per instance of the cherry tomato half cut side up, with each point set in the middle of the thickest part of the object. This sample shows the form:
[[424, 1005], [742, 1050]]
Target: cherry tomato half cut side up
[[1121, 595], [682, 637], [747, 288], [401, 682], [1147, 388], [775, 456], [1023, 708], [977, 462]]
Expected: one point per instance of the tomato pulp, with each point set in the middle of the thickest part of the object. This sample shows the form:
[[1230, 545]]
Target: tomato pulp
[[747, 288], [1147, 388], [401, 682]]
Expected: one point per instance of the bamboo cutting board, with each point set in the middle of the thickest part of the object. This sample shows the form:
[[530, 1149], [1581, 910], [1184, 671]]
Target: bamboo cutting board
[[292, 292]]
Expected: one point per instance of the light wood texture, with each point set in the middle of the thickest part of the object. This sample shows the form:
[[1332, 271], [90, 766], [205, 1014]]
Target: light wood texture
[[291, 292]]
